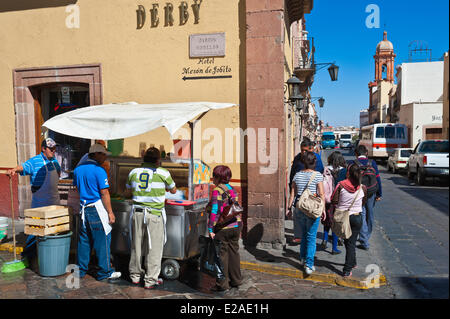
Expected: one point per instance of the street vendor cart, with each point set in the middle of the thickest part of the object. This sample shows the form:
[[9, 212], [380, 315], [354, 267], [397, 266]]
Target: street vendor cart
[[186, 216]]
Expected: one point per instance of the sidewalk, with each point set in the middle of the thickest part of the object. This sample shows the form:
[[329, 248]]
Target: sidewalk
[[328, 267], [281, 262]]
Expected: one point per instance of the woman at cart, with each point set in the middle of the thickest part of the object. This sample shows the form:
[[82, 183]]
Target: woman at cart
[[229, 233]]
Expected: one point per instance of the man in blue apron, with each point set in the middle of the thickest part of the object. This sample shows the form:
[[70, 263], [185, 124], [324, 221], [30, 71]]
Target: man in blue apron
[[96, 214], [44, 171]]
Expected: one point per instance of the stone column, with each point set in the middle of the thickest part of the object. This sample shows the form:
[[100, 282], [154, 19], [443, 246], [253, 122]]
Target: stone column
[[265, 110]]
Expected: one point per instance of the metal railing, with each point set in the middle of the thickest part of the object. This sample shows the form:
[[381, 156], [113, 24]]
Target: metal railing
[[304, 51]]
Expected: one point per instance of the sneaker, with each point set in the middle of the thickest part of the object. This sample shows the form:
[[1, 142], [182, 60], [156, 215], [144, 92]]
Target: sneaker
[[336, 252], [159, 282], [135, 282], [323, 245], [115, 275], [296, 241], [308, 270], [150, 286], [362, 247], [347, 274]]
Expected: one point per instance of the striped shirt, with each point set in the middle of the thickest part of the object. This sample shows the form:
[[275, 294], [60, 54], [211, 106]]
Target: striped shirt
[[35, 167], [148, 185], [302, 178], [218, 203]]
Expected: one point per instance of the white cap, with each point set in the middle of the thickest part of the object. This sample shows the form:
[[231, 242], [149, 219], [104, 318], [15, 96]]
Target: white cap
[[98, 148]]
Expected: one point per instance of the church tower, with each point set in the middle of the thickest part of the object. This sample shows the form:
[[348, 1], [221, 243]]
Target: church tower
[[384, 81], [384, 60]]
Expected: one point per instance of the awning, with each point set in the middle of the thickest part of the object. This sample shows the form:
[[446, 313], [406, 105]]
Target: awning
[[115, 121]]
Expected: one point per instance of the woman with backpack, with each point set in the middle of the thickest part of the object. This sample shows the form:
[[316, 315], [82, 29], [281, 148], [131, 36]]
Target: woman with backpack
[[229, 233], [312, 180], [334, 173], [350, 195]]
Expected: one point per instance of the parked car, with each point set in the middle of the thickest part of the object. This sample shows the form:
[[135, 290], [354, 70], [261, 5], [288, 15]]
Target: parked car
[[398, 159], [429, 158]]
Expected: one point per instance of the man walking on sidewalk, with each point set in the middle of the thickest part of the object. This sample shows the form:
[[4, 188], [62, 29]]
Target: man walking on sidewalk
[[371, 179]]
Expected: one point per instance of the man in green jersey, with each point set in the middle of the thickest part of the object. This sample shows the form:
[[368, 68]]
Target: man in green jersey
[[148, 185]]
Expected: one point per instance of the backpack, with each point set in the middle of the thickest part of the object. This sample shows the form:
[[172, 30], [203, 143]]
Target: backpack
[[328, 185], [369, 177]]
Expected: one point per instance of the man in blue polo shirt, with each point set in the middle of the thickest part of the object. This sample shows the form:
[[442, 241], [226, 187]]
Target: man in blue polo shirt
[[96, 214], [44, 171]]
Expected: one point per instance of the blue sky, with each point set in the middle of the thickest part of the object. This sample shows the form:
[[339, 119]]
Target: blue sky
[[340, 34]]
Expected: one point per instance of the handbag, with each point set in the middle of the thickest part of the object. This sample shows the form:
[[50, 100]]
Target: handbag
[[310, 204], [229, 212], [341, 220]]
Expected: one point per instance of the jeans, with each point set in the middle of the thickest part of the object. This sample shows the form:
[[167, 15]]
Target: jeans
[[367, 221], [92, 235], [350, 243], [308, 227]]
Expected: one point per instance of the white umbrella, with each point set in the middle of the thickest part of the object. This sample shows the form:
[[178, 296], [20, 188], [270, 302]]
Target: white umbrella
[[116, 121]]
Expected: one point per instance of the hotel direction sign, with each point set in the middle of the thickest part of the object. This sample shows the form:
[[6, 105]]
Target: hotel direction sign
[[207, 45]]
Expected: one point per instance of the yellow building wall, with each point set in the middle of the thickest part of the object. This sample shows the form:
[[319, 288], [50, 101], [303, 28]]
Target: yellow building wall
[[142, 65]]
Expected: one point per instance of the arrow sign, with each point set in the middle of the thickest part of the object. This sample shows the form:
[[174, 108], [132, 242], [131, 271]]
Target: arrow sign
[[206, 77]]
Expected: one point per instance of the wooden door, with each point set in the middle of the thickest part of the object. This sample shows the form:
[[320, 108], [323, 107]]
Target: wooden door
[[38, 120]]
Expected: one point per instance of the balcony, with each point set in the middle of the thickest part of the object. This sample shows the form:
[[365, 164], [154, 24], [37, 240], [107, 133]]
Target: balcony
[[304, 67], [297, 8]]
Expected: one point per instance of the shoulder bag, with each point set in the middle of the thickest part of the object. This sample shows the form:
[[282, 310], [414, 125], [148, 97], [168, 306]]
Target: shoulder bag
[[311, 205], [341, 220]]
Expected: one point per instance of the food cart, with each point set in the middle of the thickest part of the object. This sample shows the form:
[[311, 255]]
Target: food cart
[[187, 217]]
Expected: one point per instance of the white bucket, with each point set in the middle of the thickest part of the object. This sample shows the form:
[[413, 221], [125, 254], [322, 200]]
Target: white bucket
[[3, 227]]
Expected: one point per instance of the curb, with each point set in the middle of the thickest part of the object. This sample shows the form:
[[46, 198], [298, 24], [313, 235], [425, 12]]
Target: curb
[[333, 279]]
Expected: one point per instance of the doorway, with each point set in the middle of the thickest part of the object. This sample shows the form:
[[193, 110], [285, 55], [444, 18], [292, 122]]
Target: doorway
[[54, 99]]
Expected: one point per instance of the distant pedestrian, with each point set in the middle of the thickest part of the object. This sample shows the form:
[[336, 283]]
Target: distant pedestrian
[[351, 195], [297, 166], [334, 173], [371, 179], [229, 233], [308, 226]]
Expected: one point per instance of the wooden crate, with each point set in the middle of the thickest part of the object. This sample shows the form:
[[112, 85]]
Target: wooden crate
[[43, 221]]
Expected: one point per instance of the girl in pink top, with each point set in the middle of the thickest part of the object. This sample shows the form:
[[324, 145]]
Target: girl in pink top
[[347, 192]]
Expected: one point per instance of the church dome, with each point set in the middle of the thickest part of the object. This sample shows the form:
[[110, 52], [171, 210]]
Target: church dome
[[385, 44]]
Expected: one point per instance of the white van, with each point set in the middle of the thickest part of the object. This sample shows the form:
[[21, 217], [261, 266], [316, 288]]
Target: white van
[[381, 139]]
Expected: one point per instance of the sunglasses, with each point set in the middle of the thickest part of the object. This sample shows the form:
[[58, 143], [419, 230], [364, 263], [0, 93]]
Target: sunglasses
[[53, 149]]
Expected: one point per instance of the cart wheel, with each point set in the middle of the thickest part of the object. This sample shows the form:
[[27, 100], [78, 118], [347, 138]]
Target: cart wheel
[[170, 269]]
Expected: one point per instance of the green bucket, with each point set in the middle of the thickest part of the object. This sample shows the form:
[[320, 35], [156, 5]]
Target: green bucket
[[115, 147]]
